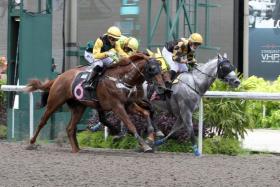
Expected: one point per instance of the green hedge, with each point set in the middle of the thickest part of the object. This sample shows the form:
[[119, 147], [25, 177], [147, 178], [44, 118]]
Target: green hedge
[[3, 132], [215, 145], [2, 95], [254, 109], [231, 117]]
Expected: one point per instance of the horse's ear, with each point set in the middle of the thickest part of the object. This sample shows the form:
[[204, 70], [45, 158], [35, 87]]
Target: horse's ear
[[158, 51], [150, 52], [225, 55], [219, 56]]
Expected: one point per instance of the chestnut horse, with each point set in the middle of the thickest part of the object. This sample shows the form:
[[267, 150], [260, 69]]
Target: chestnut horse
[[115, 92]]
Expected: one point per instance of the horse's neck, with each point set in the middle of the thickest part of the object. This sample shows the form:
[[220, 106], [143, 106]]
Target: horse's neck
[[129, 74], [204, 80]]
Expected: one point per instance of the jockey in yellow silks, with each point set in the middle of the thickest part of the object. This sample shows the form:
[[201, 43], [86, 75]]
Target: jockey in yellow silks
[[129, 45], [164, 66], [105, 51]]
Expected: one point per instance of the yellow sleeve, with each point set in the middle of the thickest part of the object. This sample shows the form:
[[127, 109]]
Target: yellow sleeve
[[96, 52], [120, 51]]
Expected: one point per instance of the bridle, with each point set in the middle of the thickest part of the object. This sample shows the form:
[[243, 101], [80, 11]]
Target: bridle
[[120, 83], [221, 73]]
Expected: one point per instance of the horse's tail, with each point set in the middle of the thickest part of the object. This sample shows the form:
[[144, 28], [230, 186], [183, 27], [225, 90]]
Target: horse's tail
[[36, 84]]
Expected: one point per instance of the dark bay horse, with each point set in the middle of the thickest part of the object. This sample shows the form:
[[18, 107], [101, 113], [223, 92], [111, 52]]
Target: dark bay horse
[[189, 89], [115, 92]]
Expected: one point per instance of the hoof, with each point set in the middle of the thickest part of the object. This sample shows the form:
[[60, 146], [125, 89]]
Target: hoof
[[32, 141], [159, 134], [196, 151], [117, 138], [95, 128], [32, 147], [147, 149], [75, 151], [159, 142], [150, 142]]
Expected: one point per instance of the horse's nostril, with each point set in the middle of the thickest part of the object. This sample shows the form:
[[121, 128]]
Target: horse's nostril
[[237, 82]]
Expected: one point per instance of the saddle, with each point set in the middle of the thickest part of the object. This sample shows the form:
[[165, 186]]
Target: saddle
[[78, 90]]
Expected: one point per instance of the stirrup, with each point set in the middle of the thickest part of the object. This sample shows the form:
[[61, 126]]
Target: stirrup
[[88, 86]]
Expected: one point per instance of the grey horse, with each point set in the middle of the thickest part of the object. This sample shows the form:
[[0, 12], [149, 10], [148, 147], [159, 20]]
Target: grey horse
[[189, 89]]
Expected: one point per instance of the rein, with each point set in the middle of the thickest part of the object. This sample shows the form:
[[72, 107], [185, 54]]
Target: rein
[[205, 73], [136, 67], [194, 89], [123, 85]]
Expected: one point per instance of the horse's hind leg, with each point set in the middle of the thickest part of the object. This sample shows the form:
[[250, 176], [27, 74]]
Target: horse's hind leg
[[77, 111], [49, 110], [103, 120], [177, 126], [186, 115]]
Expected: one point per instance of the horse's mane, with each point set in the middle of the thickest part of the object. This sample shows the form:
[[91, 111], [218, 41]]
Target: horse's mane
[[137, 56], [126, 61]]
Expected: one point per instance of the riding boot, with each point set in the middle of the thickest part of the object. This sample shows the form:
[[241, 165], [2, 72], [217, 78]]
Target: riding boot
[[172, 74], [168, 91], [88, 82], [166, 76]]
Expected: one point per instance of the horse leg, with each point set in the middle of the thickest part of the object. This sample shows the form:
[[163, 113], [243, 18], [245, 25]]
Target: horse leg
[[120, 111], [189, 126], [77, 111], [135, 108], [103, 120], [177, 126], [147, 105], [51, 108], [186, 115]]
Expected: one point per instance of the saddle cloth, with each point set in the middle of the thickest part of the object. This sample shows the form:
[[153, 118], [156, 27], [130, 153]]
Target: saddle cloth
[[78, 88]]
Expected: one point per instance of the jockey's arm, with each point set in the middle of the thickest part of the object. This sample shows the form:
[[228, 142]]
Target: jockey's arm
[[120, 51], [178, 52], [96, 52]]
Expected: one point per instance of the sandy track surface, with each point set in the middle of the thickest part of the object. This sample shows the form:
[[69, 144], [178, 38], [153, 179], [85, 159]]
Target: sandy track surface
[[51, 165]]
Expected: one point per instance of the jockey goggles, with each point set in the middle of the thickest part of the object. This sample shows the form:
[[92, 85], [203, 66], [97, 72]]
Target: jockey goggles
[[127, 49], [196, 43], [112, 39]]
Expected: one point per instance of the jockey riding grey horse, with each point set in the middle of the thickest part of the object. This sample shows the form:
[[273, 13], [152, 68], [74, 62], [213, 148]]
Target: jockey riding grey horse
[[189, 89]]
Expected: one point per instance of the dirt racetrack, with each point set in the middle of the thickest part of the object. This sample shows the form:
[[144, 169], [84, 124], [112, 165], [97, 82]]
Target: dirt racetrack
[[51, 165]]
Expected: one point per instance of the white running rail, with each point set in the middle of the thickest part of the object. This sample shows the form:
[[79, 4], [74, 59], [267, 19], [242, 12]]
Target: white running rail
[[208, 94], [18, 88]]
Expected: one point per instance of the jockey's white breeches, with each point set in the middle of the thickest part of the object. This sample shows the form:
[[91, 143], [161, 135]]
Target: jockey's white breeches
[[102, 62], [88, 56], [175, 66]]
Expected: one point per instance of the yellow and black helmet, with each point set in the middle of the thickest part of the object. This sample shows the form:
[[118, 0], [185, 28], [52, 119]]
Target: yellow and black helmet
[[133, 44], [196, 38]]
